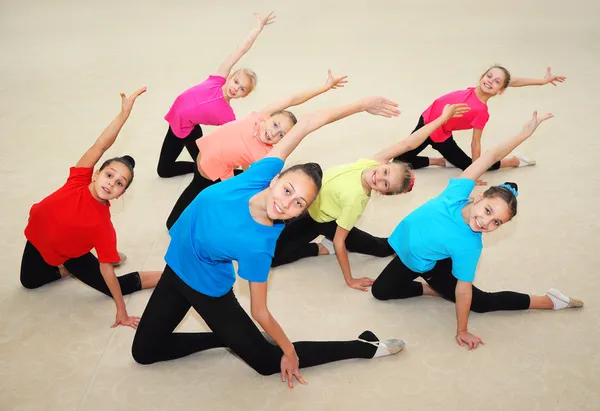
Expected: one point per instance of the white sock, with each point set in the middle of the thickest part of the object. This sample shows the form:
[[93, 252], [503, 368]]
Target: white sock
[[524, 161], [559, 300], [395, 346], [328, 245]]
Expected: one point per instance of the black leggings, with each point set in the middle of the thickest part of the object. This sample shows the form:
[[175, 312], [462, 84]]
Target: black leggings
[[168, 166], [195, 187], [232, 327], [35, 272], [448, 149], [294, 242], [398, 281]]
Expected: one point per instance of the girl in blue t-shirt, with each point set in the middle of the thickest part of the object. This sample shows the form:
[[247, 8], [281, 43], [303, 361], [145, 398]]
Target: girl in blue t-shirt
[[239, 220], [441, 242]]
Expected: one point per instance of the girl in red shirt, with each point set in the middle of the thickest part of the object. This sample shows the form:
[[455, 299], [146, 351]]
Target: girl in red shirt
[[66, 225]]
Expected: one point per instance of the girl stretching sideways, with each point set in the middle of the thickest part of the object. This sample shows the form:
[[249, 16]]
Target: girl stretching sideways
[[75, 219], [441, 242], [240, 220]]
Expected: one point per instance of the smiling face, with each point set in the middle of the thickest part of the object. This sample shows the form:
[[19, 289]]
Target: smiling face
[[385, 178], [274, 128], [486, 214], [289, 195], [238, 85], [493, 82], [110, 182]]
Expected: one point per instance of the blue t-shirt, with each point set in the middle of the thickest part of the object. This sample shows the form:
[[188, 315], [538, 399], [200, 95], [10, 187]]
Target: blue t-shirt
[[436, 231], [217, 228]]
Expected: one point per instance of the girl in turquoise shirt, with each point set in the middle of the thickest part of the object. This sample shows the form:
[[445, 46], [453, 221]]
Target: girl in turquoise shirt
[[441, 242]]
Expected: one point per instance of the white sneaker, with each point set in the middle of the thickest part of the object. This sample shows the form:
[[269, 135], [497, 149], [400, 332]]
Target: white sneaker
[[391, 346], [524, 161], [328, 245], [122, 260], [562, 301]]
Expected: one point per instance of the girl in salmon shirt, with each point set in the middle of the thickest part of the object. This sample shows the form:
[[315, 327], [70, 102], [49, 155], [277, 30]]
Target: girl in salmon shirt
[[492, 83], [243, 142], [208, 103], [65, 226]]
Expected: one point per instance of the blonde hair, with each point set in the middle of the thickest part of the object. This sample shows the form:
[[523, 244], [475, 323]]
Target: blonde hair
[[251, 74], [408, 179]]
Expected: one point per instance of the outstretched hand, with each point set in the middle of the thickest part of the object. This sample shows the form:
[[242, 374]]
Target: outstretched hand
[[535, 121], [127, 102], [264, 21], [380, 106], [455, 110], [465, 337], [552, 79], [335, 82]]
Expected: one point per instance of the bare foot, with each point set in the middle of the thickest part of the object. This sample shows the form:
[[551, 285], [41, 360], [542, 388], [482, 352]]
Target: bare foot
[[63, 271], [322, 249], [427, 290], [437, 161]]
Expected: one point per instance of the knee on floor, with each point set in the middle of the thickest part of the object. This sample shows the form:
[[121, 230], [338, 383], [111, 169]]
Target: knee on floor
[[141, 353]]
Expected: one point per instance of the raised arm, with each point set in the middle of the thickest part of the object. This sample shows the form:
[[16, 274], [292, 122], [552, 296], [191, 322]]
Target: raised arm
[[314, 121], [110, 133], [231, 61], [290, 363], [483, 163], [304, 96], [418, 137], [548, 78]]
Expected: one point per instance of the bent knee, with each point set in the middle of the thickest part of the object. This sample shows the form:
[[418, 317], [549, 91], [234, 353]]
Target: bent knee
[[28, 283], [379, 292], [141, 353]]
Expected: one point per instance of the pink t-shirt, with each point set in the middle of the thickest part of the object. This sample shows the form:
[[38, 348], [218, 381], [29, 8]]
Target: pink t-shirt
[[201, 104], [477, 117], [231, 145]]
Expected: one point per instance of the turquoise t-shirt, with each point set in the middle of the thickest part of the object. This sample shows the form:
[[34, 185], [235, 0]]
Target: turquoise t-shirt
[[217, 229], [436, 231]]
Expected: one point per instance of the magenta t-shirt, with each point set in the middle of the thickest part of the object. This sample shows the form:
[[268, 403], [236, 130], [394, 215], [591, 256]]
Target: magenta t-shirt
[[477, 117], [201, 104]]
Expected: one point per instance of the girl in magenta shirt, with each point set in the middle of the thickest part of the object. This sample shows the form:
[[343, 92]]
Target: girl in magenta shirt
[[492, 83], [207, 103]]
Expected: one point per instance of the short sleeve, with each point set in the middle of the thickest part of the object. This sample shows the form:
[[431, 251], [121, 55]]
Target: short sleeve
[[255, 267], [216, 80], [261, 172], [458, 189], [464, 264], [105, 243], [480, 120], [79, 176], [348, 217]]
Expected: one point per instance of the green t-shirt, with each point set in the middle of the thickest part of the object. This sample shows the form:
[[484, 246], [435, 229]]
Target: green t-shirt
[[342, 197]]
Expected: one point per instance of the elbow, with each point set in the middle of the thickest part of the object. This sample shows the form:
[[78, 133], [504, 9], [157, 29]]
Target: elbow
[[260, 315]]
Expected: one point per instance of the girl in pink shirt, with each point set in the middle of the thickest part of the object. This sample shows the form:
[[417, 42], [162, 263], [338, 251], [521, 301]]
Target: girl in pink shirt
[[492, 83], [207, 103], [243, 142]]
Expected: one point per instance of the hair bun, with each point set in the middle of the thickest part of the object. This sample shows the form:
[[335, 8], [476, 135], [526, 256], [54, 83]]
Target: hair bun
[[130, 160], [316, 168], [513, 185]]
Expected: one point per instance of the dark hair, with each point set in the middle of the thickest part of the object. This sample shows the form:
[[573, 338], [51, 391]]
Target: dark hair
[[505, 194], [287, 113], [127, 161], [312, 170], [506, 74], [407, 181]]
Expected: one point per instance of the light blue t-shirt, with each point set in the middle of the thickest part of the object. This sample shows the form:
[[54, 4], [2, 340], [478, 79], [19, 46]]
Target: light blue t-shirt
[[436, 231], [217, 228]]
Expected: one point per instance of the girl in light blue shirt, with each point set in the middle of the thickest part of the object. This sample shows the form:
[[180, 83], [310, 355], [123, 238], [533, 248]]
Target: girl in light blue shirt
[[441, 242]]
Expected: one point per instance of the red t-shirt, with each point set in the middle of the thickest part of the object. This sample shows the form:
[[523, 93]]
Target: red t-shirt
[[70, 222]]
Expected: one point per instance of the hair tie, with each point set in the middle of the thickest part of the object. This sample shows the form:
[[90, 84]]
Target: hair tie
[[509, 188], [412, 182]]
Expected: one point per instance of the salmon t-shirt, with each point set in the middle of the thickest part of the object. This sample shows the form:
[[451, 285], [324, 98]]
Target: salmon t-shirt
[[232, 145], [477, 117]]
